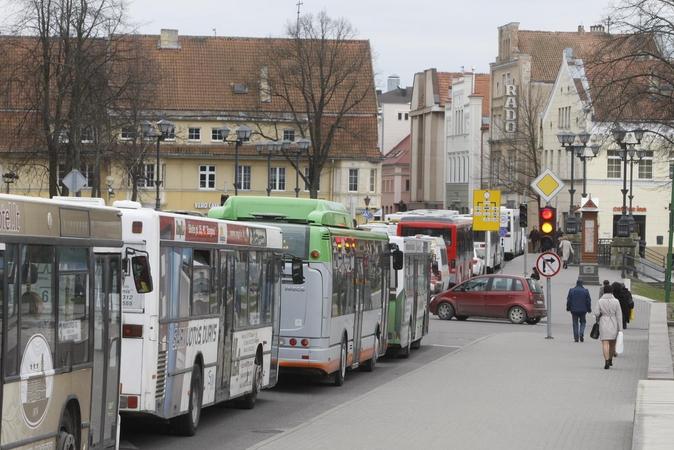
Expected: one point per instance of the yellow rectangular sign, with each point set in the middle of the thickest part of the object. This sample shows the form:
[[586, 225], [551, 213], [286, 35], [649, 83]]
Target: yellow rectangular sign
[[486, 210]]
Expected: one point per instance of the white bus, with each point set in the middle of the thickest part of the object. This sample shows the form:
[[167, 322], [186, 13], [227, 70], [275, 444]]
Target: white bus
[[336, 319], [408, 314], [208, 332], [513, 241], [61, 271], [488, 246]]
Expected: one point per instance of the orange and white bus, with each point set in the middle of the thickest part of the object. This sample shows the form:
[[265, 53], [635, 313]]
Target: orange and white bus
[[62, 265]]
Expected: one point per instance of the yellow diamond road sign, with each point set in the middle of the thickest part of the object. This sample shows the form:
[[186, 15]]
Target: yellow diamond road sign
[[547, 185]]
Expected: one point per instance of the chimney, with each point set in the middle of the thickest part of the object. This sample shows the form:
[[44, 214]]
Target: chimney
[[581, 29], [392, 83], [597, 29], [169, 39]]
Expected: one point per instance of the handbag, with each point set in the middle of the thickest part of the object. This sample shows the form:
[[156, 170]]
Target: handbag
[[632, 315], [594, 334], [619, 344]]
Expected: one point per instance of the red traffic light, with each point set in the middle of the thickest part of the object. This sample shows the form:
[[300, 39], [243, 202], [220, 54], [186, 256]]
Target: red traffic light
[[546, 214]]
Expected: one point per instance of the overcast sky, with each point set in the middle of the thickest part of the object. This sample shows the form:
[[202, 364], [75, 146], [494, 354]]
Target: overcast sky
[[407, 36]]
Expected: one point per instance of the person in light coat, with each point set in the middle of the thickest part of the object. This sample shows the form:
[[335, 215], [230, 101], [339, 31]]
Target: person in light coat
[[610, 316], [567, 250]]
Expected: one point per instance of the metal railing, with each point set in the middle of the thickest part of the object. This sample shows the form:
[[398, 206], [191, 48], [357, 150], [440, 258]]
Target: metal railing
[[642, 269]]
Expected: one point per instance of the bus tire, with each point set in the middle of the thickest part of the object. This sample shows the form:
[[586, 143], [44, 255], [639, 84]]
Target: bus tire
[[405, 352], [368, 366], [67, 438], [341, 372], [186, 424], [249, 399]]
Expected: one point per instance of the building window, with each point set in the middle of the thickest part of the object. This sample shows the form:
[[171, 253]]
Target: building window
[[206, 177], [353, 180], [87, 135], [127, 133], [373, 179], [646, 166], [88, 171], [400, 116], [407, 185], [613, 162], [277, 177], [244, 177], [216, 135], [407, 116], [306, 176], [194, 134], [512, 167], [289, 135]]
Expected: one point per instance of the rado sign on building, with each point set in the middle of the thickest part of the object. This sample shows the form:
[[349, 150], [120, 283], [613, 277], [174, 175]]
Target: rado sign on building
[[511, 109]]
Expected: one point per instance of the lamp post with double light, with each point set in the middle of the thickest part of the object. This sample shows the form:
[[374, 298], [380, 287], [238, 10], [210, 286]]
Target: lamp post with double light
[[367, 201], [584, 156], [273, 148], [625, 223], [9, 178], [166, 129], [567, 140], [635, 157], [302, 146], [242, 134]]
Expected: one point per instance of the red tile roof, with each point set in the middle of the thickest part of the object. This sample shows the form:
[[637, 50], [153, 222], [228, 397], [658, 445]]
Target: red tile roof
[[400, 154]]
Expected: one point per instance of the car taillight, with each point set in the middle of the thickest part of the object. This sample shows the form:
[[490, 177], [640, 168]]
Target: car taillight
[[475, 261]]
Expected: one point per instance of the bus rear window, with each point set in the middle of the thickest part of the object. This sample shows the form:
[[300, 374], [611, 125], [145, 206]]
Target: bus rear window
[[445, 233]]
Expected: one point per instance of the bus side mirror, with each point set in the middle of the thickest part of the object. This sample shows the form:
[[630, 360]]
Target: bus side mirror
[[397, 259], [435, 267], [140, 270], [297, 270]]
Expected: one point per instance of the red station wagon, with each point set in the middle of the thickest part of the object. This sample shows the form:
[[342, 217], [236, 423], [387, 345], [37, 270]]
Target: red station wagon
[[519, 299]]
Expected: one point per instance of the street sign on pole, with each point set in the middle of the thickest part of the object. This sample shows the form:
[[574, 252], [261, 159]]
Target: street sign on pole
[[548, 264], [486, 210], [74, 181], [547, 185]]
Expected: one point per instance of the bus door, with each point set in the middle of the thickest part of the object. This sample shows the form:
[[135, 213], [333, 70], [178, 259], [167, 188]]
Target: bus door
[[227, 286], [418, 271], [358, 307], [107, 346]]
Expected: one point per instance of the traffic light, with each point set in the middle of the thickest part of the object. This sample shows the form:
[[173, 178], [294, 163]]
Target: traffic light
[[548, 222], [523, 215]]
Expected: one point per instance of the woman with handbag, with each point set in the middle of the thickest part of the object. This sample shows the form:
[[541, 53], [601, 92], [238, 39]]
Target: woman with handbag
[[609, 315]]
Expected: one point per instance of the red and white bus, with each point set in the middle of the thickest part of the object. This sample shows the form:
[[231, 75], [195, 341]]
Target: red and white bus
[[209, 330], [457, 233]]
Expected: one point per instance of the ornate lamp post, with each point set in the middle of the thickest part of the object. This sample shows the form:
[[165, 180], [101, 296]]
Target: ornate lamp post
[[367, 201], [302, 145], [625, 224], [166, 129], [242, 134], [636, 156], [581, 153], [567, 139], [9, 178]]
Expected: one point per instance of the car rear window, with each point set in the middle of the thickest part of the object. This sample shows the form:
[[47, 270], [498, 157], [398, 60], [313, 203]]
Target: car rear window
[[534, 286]]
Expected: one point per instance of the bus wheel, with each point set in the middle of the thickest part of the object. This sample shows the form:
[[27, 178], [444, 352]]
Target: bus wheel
[[341, 373], [67, 439], [186, 425], [405, 352], [368, 366], [249, 399]]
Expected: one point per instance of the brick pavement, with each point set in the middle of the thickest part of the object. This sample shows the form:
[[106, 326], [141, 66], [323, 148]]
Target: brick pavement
[[510, 390]]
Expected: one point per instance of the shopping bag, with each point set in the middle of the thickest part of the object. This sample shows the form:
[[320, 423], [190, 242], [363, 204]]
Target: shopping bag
[[619, 344], [632, 315], [594, 334]]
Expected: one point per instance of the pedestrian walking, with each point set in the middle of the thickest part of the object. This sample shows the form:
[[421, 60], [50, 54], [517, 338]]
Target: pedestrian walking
[[601, 288], [578, 303], [624, 296], [567, 250], [535, 238], [609, 314]]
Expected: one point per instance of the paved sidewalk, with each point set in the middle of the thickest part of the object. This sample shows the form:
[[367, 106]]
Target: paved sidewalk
[[512, 390]]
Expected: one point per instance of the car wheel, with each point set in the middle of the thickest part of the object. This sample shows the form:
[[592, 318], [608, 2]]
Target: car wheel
[[461, 318], [533, 320], [445, 311], [517, 315]]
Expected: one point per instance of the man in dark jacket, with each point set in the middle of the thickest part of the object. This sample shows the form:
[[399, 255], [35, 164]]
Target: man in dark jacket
[[578, 303]]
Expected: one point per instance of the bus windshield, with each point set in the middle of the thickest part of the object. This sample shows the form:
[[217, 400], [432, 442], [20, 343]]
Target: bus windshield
[[414, 229], [295, 239]]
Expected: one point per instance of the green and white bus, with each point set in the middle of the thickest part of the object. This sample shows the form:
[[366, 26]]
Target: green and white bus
[[335, 319], [62, 266], [410, 293]]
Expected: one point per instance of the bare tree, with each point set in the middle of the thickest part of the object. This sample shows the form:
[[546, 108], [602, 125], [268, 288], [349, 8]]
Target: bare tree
[[61, 59], [325, 81]]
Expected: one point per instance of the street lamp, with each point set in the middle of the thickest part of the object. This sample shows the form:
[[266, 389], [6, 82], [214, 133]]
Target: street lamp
[[302, 145], [242, 134], [367, 200], [9, 178], [584, 156], [166, 129], [635, 156], [111, 191], [625, 224], [567, 139], [273, 148]]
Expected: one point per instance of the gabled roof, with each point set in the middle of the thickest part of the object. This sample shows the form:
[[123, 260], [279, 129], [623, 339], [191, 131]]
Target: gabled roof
[[400, 154], [396, 96]]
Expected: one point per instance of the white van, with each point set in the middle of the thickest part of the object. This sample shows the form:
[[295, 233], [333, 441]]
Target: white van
[[439, 255]]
